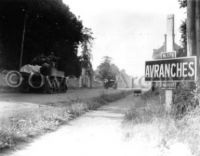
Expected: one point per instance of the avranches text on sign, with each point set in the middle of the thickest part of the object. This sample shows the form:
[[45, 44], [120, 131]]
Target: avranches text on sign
[[176, 69]]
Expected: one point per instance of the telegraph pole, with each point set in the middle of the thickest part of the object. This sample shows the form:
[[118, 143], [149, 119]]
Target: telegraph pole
[[23, 37]]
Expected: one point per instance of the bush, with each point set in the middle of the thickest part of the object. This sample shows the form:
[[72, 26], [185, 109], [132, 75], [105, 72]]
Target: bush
[[185, 98]]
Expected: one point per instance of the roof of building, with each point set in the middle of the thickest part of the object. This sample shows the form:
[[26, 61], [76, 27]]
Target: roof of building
[[179, 51]]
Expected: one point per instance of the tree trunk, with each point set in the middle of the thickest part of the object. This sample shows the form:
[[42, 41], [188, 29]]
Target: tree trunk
[[197, 25], [191, 44]]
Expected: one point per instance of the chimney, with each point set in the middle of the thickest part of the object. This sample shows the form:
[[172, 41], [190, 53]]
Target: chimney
[[170, 33], [165, 43]]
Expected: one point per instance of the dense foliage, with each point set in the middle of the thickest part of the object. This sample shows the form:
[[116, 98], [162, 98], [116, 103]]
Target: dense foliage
[[86, 47], [183, 4], [183, 35], [185, 98], [107, 70], [186, 94], [49, 26]]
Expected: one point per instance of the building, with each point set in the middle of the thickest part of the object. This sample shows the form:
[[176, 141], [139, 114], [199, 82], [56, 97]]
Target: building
[[169, 41]]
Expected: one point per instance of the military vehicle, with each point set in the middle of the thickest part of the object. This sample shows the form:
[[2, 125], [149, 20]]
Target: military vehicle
[[110, 83], [43, 76]]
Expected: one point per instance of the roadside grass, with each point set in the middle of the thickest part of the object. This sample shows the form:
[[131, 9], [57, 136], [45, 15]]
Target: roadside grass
[[23, 126], [146, 108], [189, 127], [154, 128]]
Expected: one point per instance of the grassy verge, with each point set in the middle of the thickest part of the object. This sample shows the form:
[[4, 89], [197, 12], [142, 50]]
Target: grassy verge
[[25, 125], [164, 133]]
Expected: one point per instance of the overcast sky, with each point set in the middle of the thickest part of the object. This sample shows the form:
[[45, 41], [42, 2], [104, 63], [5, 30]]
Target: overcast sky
[[127, 30]]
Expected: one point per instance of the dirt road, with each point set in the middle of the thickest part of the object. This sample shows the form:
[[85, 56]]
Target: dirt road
[[101, 133], [96, 133]]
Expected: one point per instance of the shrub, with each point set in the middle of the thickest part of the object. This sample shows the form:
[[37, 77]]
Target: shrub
[[186, 98]]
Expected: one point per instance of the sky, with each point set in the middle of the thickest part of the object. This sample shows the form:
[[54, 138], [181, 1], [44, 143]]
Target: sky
[[127, 30]]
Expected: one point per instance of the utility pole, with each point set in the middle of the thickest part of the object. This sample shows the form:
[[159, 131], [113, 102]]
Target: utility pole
[[23, 37]]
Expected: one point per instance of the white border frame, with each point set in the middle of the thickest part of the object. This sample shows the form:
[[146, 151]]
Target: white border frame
[[177, 58]]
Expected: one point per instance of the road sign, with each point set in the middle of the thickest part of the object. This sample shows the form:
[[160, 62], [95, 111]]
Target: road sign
[[167, 55], [171, 70], [168, 85]]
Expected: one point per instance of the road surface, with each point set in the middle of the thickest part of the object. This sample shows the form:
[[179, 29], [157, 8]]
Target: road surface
[[101, 133], [97, 133]]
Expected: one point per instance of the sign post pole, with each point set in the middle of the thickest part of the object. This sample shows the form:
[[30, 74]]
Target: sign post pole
[[169, 47], [169, 92], [169, 95], [168, 100]]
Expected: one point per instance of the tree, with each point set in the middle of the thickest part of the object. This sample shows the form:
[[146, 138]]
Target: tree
[[183, 35], [50, 27], [86, 46], [107, 70], [183, 4]]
